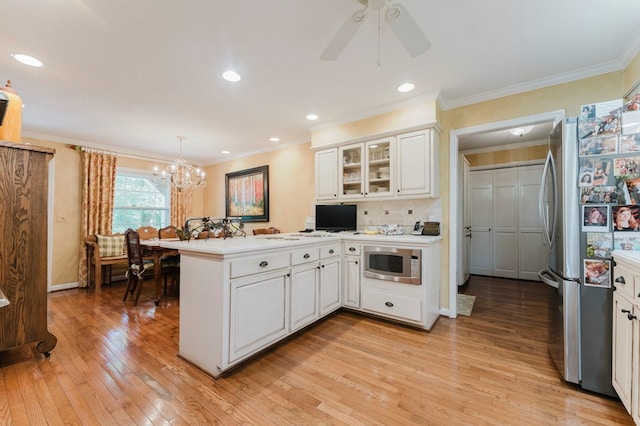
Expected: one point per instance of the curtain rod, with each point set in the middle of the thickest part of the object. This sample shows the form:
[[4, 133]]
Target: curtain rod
[[115, 153]]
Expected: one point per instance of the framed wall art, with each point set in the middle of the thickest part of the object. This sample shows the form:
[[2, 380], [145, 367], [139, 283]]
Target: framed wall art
[[247, 194]]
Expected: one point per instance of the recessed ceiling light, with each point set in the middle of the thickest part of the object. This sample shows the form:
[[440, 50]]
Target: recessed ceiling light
[[519, 131], [225, 152], [27, 60], [231, 76], [312, 117], [274, 139], [406, 87]]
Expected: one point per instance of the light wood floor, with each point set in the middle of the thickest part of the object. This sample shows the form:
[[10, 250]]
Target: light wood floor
[[117, 364]]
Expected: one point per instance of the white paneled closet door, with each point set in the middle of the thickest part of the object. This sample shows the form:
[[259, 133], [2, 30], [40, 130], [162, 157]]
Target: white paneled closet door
[[506, 237], [505, 223], [531, 248], [481, 258]]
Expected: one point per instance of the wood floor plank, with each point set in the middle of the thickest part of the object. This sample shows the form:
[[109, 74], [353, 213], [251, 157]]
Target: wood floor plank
[[117, 364]]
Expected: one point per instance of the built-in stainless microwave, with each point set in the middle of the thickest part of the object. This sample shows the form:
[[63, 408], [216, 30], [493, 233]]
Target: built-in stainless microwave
[[401, 265]]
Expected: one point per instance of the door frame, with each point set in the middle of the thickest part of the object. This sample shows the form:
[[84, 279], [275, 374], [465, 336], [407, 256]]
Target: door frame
[[455, 219]]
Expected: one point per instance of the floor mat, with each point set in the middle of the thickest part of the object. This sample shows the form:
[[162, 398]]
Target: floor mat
[[465, 304]]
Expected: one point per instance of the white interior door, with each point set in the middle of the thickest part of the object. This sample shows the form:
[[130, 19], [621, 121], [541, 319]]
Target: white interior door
[[531, 248], [505, 223], [481, 259], [466, 223]]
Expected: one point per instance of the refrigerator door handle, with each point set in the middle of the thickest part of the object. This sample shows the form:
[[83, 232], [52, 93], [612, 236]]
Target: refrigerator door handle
[[547, 278], [549, 228]]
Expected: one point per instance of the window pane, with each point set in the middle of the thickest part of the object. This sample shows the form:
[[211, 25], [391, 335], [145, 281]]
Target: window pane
[[139, 202]]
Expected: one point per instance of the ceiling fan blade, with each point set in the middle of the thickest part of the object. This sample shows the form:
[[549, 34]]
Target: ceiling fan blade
[[343, 36], [407, 30]]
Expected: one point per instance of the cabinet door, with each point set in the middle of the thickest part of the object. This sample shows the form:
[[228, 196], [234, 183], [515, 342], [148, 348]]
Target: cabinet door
[[329, 285], [622, 348], [304, 295], [326, 174], [416, 164], [351, 182], [255, 324], [379, 169], [352, 281]]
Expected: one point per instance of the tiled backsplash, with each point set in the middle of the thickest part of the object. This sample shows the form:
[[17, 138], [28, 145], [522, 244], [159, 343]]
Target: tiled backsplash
[[405, 212]]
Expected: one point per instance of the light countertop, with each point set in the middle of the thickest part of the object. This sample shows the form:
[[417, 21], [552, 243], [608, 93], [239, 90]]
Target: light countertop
[[235, 245], [630, 255]]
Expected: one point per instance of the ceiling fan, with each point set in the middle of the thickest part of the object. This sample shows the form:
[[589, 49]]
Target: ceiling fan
[[398, 18]]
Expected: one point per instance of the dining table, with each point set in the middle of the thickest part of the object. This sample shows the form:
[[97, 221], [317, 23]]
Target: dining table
[[151, 247]]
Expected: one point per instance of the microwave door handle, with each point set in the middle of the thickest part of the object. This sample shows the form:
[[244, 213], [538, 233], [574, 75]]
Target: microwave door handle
[[541, 200]]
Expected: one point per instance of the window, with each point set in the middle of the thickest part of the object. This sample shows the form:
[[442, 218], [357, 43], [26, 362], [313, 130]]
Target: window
[[139, 202]]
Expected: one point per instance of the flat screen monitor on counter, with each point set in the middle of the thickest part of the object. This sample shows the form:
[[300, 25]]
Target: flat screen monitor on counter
[[336, 217]]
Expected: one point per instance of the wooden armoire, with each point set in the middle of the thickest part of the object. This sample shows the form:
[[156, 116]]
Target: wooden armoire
[[23, 246]]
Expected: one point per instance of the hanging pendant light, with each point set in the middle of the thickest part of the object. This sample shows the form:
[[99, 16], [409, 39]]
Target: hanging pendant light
[[180, 175]]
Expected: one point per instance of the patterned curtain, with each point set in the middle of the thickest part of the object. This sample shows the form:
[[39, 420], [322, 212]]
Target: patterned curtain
[[99, 181], [180, 206]]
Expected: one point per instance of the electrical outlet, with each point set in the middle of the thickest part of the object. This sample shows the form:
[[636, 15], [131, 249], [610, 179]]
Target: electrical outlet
[[62, 218], [386, 212]]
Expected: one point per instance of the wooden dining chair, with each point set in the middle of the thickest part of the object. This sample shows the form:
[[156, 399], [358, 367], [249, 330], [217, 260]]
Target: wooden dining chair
[[147, 232], [168, 232], [139, 267], [170, 262], [270, 230]]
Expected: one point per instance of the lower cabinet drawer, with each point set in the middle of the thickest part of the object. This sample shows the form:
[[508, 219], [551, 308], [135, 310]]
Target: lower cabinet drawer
[[392, 305], [259, 264]]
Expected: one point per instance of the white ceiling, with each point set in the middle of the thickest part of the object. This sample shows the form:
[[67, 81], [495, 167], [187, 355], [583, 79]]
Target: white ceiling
[[133, 75]]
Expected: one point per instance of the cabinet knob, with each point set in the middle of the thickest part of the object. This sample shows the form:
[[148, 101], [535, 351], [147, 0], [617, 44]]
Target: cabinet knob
[[263, 264], [389, 304], [356, 262], [620, 280]]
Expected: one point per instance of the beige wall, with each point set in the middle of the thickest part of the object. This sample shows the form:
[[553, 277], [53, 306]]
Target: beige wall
[[291, 186]]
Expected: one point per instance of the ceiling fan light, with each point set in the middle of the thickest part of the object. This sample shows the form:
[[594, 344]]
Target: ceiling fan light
[[520, 131]]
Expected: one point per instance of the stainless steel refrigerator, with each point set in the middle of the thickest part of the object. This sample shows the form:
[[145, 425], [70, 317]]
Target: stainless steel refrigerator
[[580, 317]]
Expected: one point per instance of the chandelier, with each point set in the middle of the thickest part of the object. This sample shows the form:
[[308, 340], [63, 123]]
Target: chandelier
[[180, 175]]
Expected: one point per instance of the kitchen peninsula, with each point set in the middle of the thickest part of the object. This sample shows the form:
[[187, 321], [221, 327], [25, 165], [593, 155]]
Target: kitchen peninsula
[[238, 296]]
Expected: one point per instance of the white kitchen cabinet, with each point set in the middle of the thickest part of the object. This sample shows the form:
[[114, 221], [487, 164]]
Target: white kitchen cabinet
[[304, 288], [626, 332], [366, 169], [330, 289], [394, 167], [379, 168], [351, 172], [623, 333], [351, 277], [326, 163], [409, 303], [416, 164], [255, 324]]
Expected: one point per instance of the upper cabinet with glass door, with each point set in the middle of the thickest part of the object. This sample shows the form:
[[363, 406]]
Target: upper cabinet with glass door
[[351, 167], [379, 168]]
